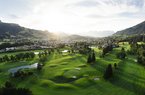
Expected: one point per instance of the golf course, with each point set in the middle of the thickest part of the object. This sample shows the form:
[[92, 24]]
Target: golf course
[[69, 73]]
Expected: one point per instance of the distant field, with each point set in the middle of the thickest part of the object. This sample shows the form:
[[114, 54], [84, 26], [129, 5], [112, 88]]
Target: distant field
[[129, 78]]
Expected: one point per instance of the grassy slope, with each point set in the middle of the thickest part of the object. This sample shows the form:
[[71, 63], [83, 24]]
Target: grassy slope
[[128, 79]]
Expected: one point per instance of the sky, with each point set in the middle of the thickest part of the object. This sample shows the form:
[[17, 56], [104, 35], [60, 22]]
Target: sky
[[86, 17]]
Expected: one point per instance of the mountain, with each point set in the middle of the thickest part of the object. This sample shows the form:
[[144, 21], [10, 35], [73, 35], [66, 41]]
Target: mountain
[[60, 36], [135, 30], [100, 33], [15, 31], [11, 30]]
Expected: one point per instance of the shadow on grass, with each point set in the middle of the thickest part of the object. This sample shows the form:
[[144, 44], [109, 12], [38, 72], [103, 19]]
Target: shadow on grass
[[100, 66], [62, 79], [128, 79]]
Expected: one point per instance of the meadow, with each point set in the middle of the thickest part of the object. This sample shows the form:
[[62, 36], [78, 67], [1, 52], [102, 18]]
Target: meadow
[[70, 74]]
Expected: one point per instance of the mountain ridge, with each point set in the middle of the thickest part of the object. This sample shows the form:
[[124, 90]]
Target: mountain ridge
[[134, 30], [15, 31]]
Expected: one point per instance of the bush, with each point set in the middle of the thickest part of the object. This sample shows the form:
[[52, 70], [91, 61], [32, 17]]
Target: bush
[[23, 73]]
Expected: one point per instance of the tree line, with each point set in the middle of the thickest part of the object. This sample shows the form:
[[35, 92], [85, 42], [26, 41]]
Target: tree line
[[106, 49], [138, 50], [17, 57], [8, 45], [10, 89]]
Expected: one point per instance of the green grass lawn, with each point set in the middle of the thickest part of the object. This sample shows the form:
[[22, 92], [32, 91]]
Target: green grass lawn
[[129, 78]]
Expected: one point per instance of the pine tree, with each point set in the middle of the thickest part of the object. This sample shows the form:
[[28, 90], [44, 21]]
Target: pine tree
[[109, 72], [93, 57], [115, 65], [89, 59]]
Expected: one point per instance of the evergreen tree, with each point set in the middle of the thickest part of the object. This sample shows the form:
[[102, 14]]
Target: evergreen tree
[[115, 65], [89, 59], [93, 57], [109, 72]]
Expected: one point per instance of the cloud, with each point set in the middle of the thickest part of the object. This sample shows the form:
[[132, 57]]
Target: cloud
[[13, 16], [108, 7], [74, 16], [87, 3]]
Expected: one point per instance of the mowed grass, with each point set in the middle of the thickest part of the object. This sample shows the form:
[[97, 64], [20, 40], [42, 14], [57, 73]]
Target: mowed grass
[[128, 79]]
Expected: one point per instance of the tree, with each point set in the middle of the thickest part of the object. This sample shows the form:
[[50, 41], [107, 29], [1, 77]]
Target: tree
[[115, 65], [12, 58], [93, 57], [6, 58], [89, 59], [8, 84], [26, 55], [107, 49], [31, 54], [18, 56], [39, 66], [39, 55], [122, 49], [109, 72], [1, 59], [104, 52], [9, 89], [139, 59], [45, 52], [121, 54]]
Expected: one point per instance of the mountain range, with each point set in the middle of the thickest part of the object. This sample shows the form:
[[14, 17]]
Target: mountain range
[[15, 31], [135, 30]]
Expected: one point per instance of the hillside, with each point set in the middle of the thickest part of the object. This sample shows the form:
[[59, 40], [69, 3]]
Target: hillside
[[137, 29], [11, 30], [15, 31]]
